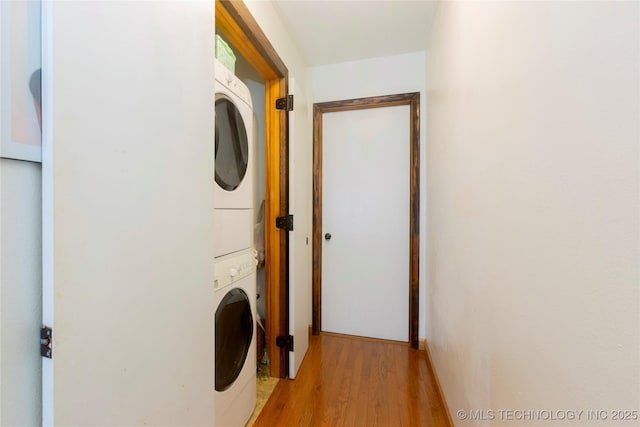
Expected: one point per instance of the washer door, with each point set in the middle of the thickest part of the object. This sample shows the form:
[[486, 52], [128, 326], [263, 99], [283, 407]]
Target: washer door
[[232, 146], [234, 330]]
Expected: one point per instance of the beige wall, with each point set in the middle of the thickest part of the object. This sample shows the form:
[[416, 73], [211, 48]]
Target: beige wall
[[533, 215]]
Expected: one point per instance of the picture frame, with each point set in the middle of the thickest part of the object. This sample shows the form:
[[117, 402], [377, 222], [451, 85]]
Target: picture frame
[[20, 80]]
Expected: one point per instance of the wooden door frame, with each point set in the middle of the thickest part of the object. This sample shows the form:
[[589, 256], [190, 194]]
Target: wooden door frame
[[413, 101], [236, 24]]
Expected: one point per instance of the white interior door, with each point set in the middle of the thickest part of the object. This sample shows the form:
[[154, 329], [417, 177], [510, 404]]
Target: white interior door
[[298, 286], [365, 217], [127, 212]]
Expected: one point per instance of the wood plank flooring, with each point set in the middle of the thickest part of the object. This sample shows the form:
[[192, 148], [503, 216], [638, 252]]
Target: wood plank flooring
[[348, 381]]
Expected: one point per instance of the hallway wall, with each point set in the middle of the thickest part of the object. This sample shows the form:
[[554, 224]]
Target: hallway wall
[[533, 172], [128, 150], [20, 293]]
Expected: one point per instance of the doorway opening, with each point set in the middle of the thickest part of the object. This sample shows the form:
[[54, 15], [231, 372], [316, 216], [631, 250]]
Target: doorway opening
[[413, 101], [261, 62]]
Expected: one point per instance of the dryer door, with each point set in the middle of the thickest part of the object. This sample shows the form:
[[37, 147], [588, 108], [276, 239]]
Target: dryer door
[[234, 331], [232, 146]]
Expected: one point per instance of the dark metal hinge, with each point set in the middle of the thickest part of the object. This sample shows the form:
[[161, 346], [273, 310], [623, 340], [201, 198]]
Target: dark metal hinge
[[46, 336], [285, 103], [285, 222], [285, 341]]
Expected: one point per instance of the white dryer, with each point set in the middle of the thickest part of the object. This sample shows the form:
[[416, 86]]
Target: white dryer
[[235, 339], [234, 167]]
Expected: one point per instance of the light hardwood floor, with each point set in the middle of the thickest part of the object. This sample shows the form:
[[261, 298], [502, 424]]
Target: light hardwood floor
[[348, 381]]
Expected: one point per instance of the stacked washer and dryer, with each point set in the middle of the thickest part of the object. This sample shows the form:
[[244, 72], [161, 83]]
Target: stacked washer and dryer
[[235, 261]]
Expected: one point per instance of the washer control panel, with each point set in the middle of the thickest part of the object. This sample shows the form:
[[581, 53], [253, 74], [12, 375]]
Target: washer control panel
[[232, 82], [233, 267]]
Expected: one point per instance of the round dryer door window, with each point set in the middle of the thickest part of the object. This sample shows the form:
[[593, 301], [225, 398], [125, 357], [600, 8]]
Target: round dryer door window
[[234, 330], [232, 147]]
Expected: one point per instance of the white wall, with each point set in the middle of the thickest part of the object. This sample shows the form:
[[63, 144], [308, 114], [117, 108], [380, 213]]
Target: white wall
[[20, 293], [20, 304], [533, 172], [128, 211], [374, 77]]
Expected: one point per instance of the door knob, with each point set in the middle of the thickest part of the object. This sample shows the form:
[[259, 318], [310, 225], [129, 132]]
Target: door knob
[[327, 236]]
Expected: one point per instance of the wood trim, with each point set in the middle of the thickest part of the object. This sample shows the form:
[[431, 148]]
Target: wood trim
[[277, 242], [413, 101], [370, 102], [361, 338], [414, 221], [283, 280], [443, 401], [316, 244], [238, 27], [273, 238], [235, 22]]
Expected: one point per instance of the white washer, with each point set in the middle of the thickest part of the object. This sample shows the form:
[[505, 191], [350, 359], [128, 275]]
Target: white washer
[[235, 338], [234, 167]]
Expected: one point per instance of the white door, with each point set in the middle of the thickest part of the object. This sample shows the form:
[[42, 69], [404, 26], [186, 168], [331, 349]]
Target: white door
[[127, 212], [365, 217], [298, 285]]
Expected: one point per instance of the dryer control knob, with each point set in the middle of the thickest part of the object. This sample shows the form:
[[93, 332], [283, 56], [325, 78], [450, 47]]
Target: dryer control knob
[[233, 272]]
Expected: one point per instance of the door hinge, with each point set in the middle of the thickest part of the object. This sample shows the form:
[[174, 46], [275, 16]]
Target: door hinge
[[285, 103], [285, 222], [46, 336], [285, 341]]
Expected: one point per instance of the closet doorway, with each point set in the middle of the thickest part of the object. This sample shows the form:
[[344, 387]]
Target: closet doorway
[[235, 24]]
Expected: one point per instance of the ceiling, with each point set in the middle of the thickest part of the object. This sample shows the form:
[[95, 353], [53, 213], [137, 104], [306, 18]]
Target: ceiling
[[330, 31]]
